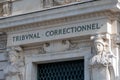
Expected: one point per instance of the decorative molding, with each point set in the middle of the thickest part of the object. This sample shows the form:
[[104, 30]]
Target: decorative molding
[[6, 8], [56, 46], [80, 43], [55, 13], [31, 61], [1, 1], [56, 22], [41, 50], [64, 2], [14, 48], [47, 3], [73, 44]]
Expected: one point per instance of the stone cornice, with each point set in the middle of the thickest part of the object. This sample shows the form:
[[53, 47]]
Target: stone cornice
[[61, 21], [57, 12], [1, 1]]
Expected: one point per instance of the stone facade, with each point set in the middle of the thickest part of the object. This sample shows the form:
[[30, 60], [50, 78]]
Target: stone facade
[[3, 55], [47, 31]]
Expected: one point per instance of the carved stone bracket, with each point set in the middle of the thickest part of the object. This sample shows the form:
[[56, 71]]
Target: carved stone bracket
[[56, 46]]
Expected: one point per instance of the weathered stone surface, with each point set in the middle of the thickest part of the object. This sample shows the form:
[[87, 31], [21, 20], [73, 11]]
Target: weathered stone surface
[[27, 6], [3, 57], [15, 70], [64, 31], [102, 63], [3, 65], [65, 17], [2, 45], [1, 75]]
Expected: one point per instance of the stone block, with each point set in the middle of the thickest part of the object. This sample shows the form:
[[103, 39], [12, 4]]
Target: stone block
[[1, 75], [3, 57], [3, 65]]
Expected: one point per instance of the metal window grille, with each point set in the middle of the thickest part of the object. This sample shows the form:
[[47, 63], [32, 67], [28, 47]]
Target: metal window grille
[[69, 70]]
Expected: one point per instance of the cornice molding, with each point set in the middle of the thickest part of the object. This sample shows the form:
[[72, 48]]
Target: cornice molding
[[61, 21], [1, 1], [56, 13]]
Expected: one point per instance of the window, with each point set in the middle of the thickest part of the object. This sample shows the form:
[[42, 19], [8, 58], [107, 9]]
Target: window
[[68, 70]]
